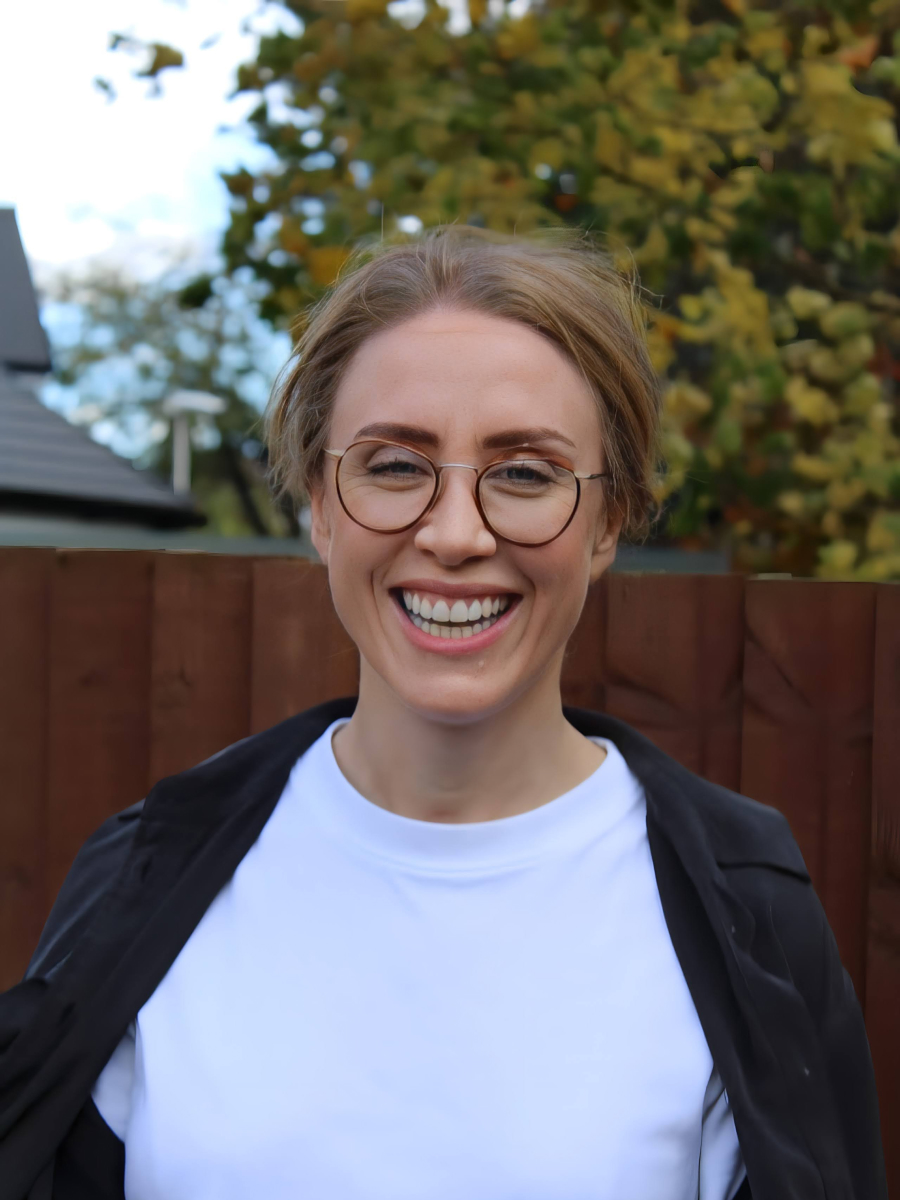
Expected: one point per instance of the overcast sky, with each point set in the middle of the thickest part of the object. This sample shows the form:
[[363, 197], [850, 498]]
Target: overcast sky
[[135, 178], [88, 176]]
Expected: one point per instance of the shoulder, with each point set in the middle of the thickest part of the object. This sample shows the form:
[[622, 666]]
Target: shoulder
[[186, 807], [736, 830], [91, 874], [746, 851]]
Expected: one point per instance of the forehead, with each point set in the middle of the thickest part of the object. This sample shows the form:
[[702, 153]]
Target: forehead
[[464, 376]]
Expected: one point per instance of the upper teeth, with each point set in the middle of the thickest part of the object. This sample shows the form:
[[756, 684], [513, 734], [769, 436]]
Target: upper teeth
[[461, 612]]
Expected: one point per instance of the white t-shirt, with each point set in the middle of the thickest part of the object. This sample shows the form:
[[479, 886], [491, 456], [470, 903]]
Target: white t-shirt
[[378, 1008]]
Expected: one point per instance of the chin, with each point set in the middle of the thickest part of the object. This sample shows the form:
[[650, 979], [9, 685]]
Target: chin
[[463, 699]]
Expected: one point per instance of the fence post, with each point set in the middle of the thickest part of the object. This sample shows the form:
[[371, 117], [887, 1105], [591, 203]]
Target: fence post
[[807, 742], [883, 964], [301, 654], [24, 590], [200, 691], [99, 690], [673, 666]]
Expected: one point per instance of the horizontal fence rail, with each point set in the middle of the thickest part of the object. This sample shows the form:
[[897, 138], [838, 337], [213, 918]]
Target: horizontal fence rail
[[120, 667]]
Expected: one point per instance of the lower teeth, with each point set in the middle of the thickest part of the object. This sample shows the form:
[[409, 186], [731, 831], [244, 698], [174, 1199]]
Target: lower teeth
[[450, 631]]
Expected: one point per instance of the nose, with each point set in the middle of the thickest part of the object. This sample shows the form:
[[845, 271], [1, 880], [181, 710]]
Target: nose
[[454, 530]]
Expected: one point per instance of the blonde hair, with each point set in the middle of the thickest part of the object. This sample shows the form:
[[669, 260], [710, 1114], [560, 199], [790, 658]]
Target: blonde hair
[[557, 282]]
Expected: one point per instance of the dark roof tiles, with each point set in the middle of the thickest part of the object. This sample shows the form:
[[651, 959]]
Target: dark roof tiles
[[42, 454], [23, 343]]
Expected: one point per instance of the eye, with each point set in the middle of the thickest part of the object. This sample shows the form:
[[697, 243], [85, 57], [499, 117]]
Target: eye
[[397, 468], [523, 476]]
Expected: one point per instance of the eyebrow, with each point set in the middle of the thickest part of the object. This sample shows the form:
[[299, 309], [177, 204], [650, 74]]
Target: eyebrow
[[508, 439]]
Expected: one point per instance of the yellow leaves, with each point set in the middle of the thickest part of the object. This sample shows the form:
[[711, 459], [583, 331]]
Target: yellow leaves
[[703, 231], [519, 38], [693, 307], [805, 303], [843, 126], [685, 402], [610, 145], [825, 365], [844, 319], [809, 403], [740, 186], [325, 263], [768, 46], [784, 327], [856, 352], [477, 11], [655, 248], [793, 503], [883, 534], [645, 78], [654, 173], [837, 560], [362, 10], [551, 151], [819, 470], [862, 395], [842, 495], [292, 238]]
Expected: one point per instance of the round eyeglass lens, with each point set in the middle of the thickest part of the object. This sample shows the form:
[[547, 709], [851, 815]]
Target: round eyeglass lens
[[385, 487], [528, 500]]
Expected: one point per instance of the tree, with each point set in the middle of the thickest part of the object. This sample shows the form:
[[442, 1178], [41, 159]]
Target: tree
[[121, 345], [743, 154]]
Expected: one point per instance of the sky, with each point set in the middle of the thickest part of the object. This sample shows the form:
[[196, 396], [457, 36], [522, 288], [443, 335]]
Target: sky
[[131, 177]]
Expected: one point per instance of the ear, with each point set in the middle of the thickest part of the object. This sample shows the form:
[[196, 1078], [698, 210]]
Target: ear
[[606, 540], [320, 524]]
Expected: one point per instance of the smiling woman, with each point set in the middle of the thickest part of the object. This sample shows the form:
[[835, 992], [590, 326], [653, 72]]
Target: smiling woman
[[447, 938]]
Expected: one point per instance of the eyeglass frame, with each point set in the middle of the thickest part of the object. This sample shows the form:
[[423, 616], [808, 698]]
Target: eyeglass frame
[[438, 469]]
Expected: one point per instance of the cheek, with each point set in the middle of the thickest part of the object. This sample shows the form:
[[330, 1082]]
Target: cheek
[[560, 573]]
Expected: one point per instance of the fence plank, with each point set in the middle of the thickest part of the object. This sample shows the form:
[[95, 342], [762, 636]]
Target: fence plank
[[673, 666], [883, 961], [301, 654], [98, 695], [24, 587], [200, 687], [583, 674], [807, 745]]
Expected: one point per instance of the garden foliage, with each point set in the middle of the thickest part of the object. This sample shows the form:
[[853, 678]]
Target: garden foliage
[[743, 154]]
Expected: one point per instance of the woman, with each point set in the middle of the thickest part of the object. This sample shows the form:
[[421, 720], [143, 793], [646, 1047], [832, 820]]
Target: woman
[[448, 939]]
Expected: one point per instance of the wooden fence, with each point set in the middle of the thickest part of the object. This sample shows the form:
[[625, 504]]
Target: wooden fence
[[117, 668]]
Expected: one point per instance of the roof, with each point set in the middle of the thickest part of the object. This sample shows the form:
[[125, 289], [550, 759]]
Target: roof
[[48, 465], [23, 343]]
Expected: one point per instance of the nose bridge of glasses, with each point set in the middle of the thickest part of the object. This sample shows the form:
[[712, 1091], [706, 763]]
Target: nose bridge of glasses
[[440, 491]]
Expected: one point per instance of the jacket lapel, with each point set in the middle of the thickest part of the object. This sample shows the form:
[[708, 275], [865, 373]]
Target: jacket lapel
[[757, 1025]]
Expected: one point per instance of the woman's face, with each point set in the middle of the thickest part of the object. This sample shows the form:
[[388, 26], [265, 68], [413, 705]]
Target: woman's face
[[452, 384]]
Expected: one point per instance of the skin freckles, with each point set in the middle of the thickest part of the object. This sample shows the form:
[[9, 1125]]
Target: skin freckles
[[481, 735]]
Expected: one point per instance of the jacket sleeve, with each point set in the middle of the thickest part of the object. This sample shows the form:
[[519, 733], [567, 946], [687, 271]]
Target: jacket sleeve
[[27, 1010], [826, 987], [92, 872]]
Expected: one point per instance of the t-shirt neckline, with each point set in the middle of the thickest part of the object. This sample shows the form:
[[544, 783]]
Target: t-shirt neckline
[[589, 810]]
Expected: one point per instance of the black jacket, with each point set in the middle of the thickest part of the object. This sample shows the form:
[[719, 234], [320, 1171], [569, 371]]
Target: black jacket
[[777, 1008]]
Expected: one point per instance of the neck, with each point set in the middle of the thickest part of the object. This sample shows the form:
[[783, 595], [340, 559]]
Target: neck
[[505, 763]]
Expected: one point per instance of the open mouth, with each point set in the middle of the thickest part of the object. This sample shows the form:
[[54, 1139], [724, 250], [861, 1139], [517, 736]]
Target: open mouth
[[463, 618]]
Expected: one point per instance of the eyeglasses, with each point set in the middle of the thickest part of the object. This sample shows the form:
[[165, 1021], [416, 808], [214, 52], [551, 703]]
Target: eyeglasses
[[387, 488]]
